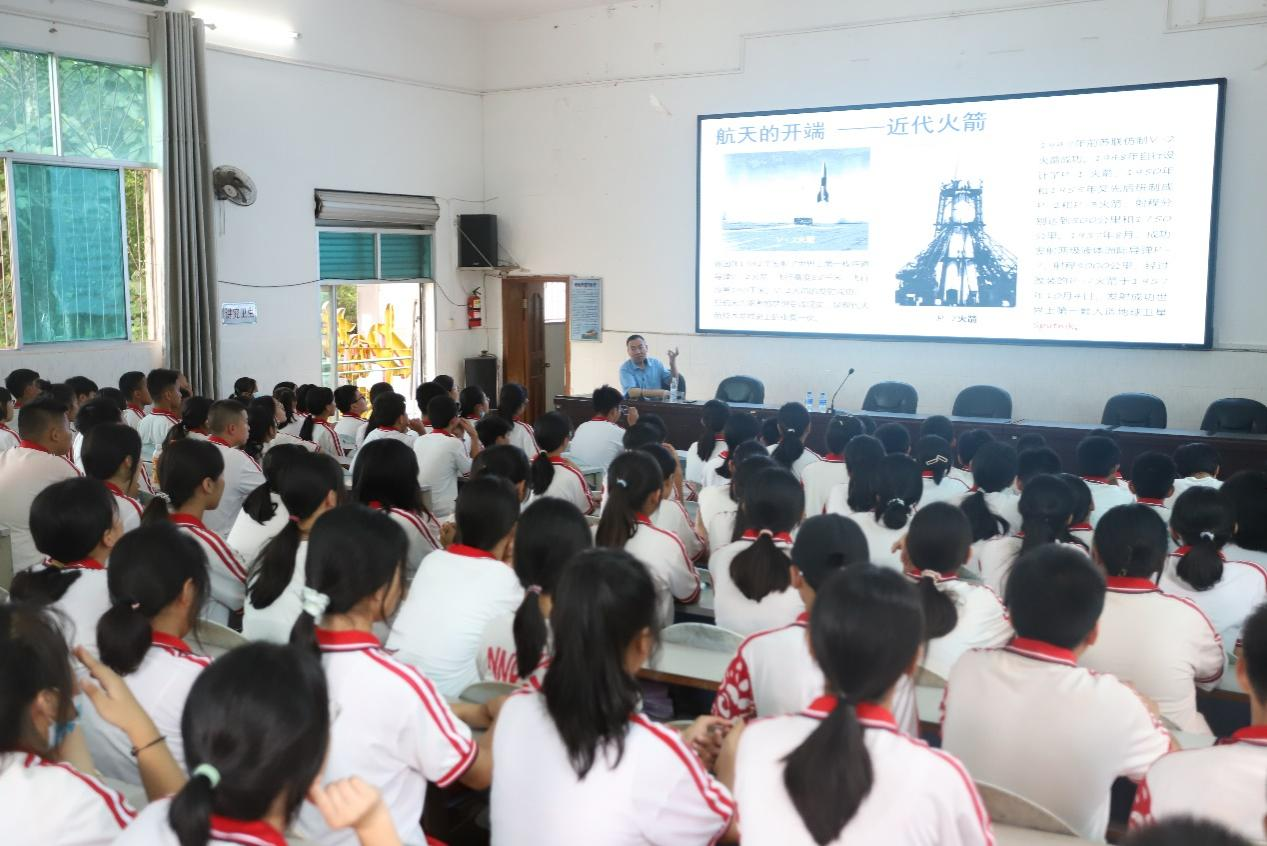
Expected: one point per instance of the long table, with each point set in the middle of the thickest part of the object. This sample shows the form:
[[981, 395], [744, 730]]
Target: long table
[[1238, 452]]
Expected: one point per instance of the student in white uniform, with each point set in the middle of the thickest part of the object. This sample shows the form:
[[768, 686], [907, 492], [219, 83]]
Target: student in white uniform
[[896, 489], [511, 402], [1183, 649], [388, 419], [841, 771], [386, 478], [634, 488], [191, 476], [933, 457], [1099, 460], [576, 762], [263, 514], [112, 454], [506, 462], [165, 389], [1046, 507], [1200, 571], [819, 478], [442, 458], [1223, 782], [242, 473], [967, 446], [992, 504], [317, 426], [75, 524], [790, 451], [515, 647], [959, 615], [1088, 727], [95, 412], [719, 505], [352, 406], [1246, 492], [392, 727], [598, 440], [552, 474], [1196, 465], [752, 577], [740, 428], [136, 396], [706, 454], [288, 420], [672, 515], [863, 455], [1153, 482], [38, 462], [158, 584], [1080, 521], [309, 487], [458, 591], [192, 425], [261, 428], [8, 437]]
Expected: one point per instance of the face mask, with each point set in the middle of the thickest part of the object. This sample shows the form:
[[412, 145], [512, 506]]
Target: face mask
[[58, 732]]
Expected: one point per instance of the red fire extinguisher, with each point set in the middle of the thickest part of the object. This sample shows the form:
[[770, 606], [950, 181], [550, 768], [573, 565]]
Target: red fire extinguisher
[[474, 310]]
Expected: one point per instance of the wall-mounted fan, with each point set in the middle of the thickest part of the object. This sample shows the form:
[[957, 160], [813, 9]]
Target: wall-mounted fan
[[232, 184]]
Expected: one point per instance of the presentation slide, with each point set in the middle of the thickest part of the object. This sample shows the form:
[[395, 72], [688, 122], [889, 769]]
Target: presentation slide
[[1065, 217]]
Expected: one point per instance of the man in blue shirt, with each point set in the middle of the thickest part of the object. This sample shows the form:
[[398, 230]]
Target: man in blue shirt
[[645, 377]]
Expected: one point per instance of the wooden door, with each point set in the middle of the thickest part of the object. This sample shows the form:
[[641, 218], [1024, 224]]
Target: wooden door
[[523, 340]]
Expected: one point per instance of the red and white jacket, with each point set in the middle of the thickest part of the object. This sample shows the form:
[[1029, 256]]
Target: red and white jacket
[[129, 508], [670, 567], [53, 804], [423, 531], [227, 570], [1242, 588], [737, 612]]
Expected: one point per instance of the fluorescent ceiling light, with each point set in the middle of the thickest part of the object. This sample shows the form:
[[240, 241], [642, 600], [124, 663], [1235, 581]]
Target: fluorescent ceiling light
[[235, 27]]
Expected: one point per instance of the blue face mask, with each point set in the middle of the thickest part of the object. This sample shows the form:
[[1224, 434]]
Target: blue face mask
[[58, 732]]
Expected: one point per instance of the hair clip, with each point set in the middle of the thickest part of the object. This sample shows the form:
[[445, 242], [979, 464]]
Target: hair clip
[[1207, 536], [210, 773], [534, 589], [765, 533], [621, 483], [314, 602], [936, 459], [901, 502]]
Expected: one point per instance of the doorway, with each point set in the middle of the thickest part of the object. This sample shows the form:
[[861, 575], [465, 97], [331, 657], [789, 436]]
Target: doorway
[[535, 344], [370, 332]]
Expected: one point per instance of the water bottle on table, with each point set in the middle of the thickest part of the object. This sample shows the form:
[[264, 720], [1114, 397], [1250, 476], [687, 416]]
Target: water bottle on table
[[809, 401], [822, 402], [673, 386]]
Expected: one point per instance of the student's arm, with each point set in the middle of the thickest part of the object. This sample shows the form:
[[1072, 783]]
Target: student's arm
[[351, 803], [1210, 659], [472, 439], [480, 774]]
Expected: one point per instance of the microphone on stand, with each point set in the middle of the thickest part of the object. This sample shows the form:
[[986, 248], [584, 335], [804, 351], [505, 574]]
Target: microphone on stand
[[832, 409]]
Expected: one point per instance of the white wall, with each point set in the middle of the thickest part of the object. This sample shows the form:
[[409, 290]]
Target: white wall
[[589, 135]]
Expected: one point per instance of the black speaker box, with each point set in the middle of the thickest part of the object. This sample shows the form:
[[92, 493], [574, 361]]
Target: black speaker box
[[482, 370], [477, 240]]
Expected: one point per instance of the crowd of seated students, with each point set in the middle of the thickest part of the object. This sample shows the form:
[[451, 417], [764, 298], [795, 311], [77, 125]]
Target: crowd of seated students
[[381, 564]]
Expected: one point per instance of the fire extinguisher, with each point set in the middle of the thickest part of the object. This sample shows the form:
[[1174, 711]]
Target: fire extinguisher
[[474, 310]]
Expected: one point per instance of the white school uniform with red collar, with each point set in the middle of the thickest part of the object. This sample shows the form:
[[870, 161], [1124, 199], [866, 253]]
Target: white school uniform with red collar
[[153, 429], [1083, 532], [47, 803], [716, 513], [294, 426], [820, 479], [658, 792], [1158, 505], [422, 530], [880, 538], [326, 437], [596, 442], [919, 795], [672, 517], [949, 489], [8, 438], [226, 568], [349, 431], [242, 474], [129, 509], [82, 605], [1004, 503], [455, 594], [671, 569], [962, 475], [1105, 494], [441, 462], [1183, 648], [1183, 484], [522, 436], [161, 685], [805, 459], [273, 622], [1236, 552], [1087, 727], [248, 537], [133, 415], [993, 559], [24, 473], [1228, 602], [699, 471], [497, 657], [151, 828], [568, 485], [982, 623], [391, 728], [737, 612], [1223, 783], [407, 437], [288, 439]]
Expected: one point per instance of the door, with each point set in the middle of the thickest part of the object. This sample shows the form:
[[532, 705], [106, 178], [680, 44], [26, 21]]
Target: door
[[523, 340]]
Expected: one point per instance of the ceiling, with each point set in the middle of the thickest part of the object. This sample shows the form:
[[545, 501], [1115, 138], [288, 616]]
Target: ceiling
[[501, 9]]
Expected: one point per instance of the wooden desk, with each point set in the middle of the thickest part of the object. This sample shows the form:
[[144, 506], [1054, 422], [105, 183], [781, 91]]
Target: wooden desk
[[1238, 452]]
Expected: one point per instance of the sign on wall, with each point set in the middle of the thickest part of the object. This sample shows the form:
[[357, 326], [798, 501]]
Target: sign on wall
[[585, 309], [231, 313]]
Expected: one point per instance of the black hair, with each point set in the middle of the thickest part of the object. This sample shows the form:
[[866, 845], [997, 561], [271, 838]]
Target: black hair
[[842, 429], [548, 537], [1204, 520], [425, 393], [505, 461], [1184, 831], [1046, 508], [301, 396], [602, 603], [552, 431], [993, 469], [286, 383], [486, 511], [1254, 651], [1194, 458], [303, 486], [1055, 594], [491, 428], [385, 412], [511, 400], [159, 380], [641, 433], [633, 338], [115, 396], [1246, 491], [107, 447], [773, 502], [665, 461], [441, 411], [67, 521], [938, 541], [286, 397], [863, 455], [193, 416], [6, 399], [712, 423], [748, 460], [899, 484], [865, 631], [1153, 475], [794, 424], [1082, 502], [244, 387], [655, 421], [259, 505], [1031, 462], [471, 396], [81, 385], [934, 455], [388, 475], [1098, 456], [353, 553], [939, 425], [1030, 440], [64, 394], [19, 380], [39, 415], [96, 411], [894, 437], [317, 402], [741, 426], [344, 397], [260, 716], [148, 570], [826, 543], [130, 382], [184, 466], [770, 431], [380, 388], [1131, 540], [969, 442], [632, 477], [261, 420], [225, 412], [34, 657], [605, 398], [445, 381]]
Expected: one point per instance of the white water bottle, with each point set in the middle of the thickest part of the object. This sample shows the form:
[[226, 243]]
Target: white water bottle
[[809, 401], [822, 402], [673, 385]]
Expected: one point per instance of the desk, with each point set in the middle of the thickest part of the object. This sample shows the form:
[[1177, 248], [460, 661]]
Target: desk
[[1010, 835], [1238, 452], [689, 666]]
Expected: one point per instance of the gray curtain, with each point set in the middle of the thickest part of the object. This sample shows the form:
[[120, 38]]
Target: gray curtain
[[178, 49]]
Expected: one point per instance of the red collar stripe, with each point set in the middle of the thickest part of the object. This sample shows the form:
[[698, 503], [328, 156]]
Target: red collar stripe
[[1042, 651], [170, 642], [25, 444], [780, 537], [84, 564], [1128, 584], [469, 551], [246, 832], [331, 641]]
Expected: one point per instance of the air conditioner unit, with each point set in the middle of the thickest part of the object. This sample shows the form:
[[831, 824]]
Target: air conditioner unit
[[390, 211]]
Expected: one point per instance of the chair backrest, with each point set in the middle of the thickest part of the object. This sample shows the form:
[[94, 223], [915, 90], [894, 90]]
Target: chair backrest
[[896, 397], [482, 692], [1236, 414], [702, 636], [983, 401], [741, 389], [1143, 411], [216, 639], [1008, 808], [927, 678]]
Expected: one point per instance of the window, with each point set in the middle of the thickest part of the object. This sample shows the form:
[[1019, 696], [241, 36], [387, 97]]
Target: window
[[75, 235], [556, 302], [360, 255]]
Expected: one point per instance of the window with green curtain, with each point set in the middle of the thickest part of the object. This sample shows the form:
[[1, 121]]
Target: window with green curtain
[[346, 255], [103, 110], [26, 102], [405, 256], [71, 277]]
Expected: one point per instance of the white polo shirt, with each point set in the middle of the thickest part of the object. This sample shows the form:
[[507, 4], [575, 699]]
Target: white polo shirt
[[806, 459], [153, 429], [1004, 503], [1229, 602], [274, 622], [919, 795], [408, 438], [994, 560], [249, 538], [772, 673], [161, 685], [295, 425], [1223, 783], [291, 440], [658, 793], [133, 415], [242, 474], [568, 485], [1105, 495], [349, 430], [46, 803], [671, 569], [8, 438], [672, 517], [983, 623], [820, 478], [390, 728], [597, 442], [497, 658], [151, 828], [422, 530], [24, 473], [129, 509], [522, 436], [737, 612], [456, 593], [227, 570], [700, 472], [326, 437], [441, 462], [1158, 505], [1018, 716], [950, 490], [1183, 484], [880, 538], [82, 605]]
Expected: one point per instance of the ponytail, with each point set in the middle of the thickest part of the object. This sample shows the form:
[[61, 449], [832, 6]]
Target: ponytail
[[773, 504], [305, 428], [936, 546], [761, 569], [712, 423], [940, 614], [275, 566], [794, 423], [632, 477], [43, 587], [739, 429], [1201, 565], [829, 774], [1203, 519], [542, 473], [259, 505], [552, 431], [1046, 507], [261, 419], [123, 636], [184, 466], [157, 510], [933, 455], [863, 455], [985, 523], [898, 488], [316, 402], [190, 811]]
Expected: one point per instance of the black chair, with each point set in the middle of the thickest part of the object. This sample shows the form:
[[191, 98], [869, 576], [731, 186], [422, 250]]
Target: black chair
[[1143, 411], [741, 389], [983, 401], [892, 397], [1235, 414]]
